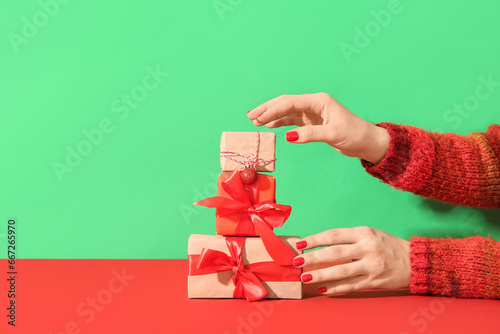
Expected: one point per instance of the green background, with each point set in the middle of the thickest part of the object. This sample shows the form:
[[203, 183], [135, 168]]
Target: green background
[[131, 196]]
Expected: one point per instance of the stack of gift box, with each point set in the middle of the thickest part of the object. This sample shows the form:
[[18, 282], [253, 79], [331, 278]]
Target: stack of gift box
[[246, 259]]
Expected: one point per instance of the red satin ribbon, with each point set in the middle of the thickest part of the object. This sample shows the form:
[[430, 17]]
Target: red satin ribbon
[[247, 278], [260, 217]]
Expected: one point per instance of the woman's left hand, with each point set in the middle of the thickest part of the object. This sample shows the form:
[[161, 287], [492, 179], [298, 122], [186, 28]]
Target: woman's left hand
[[378, 260]]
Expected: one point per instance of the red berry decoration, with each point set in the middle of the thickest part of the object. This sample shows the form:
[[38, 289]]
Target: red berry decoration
[[248, 175]]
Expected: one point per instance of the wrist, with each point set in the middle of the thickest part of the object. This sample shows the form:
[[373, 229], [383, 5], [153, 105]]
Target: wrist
[[376, 141]]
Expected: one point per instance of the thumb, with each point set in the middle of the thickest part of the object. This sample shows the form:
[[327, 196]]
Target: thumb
[[308, 133]]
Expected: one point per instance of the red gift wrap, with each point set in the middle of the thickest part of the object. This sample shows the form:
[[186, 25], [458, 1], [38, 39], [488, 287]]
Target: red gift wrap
[[242, 207], [229, 223]]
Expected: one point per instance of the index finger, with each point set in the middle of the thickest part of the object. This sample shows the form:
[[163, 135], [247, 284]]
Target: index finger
[[282, 106], [331, 237], [259, 110]]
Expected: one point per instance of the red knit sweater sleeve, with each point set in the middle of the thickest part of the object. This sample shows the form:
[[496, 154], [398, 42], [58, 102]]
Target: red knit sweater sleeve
[[462, 170], [467, 268]]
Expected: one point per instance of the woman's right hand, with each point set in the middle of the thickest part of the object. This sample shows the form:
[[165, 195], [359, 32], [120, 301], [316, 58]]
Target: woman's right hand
[[320, 118]]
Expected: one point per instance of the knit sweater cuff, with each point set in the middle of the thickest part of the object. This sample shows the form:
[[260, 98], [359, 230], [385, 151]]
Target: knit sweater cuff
[[409, 159], [389, 167], [467, 268], [420, 266]]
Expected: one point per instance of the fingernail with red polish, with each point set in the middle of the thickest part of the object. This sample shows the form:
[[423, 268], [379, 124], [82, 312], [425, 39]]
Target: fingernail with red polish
[[298, 261], [322, 289], [249, 111], [306, 278], [292, 136], [301, 244], [260, 115]]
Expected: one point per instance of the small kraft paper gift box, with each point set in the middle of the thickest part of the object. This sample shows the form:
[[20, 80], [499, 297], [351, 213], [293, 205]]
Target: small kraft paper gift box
[[240, 267], [241, 145]]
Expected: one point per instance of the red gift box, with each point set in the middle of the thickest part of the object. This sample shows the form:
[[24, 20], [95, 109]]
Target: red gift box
[[241, 207], [263, 190]]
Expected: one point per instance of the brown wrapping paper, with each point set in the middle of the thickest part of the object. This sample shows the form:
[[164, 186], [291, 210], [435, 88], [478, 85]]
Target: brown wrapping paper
[[245, 143], [220, 285]]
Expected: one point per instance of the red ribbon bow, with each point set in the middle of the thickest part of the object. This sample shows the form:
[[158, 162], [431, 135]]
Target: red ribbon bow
[[261, 217], [247, 278]]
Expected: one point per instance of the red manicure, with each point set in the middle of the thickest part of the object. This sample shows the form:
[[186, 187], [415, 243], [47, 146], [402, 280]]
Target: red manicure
[[298, 261], [322, 289], [292, 136], [260, 115], [301, 244], [249, 111], [306, 278]]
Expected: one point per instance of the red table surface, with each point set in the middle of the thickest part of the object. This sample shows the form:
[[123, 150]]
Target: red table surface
[[150, 296]]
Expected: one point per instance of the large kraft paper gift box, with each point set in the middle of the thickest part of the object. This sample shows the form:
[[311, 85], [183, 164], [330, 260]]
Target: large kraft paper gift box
[[244, 143], [221, 266]]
